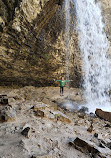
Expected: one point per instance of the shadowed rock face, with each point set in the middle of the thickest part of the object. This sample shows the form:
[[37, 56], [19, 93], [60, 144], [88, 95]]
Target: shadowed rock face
[[32, 49], [32, 43]]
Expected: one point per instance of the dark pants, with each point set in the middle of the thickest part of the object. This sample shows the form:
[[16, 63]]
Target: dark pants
[[61, 89]]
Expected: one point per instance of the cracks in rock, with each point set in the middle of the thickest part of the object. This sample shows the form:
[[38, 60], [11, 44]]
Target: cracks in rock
[[10, 5], [27, 47]]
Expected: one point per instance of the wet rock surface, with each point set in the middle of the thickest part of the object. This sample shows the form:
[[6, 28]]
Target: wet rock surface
[[49, 136]]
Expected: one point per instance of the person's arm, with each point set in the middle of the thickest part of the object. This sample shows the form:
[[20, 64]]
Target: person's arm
[[58, 80], [67, 80]]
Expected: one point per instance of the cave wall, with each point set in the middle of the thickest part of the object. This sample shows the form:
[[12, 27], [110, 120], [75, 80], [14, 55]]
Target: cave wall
[[32, 48], [27, 55]]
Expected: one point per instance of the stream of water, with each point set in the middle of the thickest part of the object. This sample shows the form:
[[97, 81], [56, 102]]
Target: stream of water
[[67, 39], [94, 46], [67, 34]]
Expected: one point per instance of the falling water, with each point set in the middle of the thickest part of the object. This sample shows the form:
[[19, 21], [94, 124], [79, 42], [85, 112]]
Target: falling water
[[94, 46], [67, 37]]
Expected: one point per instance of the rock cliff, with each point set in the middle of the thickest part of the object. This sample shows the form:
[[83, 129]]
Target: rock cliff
[[26, 56], [32, 42]]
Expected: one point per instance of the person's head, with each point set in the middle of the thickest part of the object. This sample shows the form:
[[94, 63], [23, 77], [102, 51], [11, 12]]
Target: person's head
[[62, 78]]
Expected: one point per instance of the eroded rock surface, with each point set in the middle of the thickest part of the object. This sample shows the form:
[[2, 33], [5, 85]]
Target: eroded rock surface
[[32, 48], [49, 136], [32, 43]]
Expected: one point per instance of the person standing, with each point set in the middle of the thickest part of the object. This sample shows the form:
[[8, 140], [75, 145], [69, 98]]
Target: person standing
[[62, 84]]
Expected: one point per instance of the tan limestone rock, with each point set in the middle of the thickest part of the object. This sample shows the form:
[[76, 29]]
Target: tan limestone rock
[[103, 114]]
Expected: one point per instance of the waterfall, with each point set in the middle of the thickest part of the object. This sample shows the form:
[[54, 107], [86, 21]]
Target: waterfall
[[67, 40], [94, 46], [67, 34]]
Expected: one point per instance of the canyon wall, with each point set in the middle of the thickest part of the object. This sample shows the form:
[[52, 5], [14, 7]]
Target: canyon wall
[[32, 48]]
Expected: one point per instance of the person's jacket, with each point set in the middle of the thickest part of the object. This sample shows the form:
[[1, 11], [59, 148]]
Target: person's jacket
[[62, 83]]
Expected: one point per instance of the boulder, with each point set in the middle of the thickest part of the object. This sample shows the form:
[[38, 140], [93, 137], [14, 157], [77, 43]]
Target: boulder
[[90, 129], [7, 113], [82, 116], [39, 106], [96, 135], [3, 99], [108, 145], [39, 113], [25, 132], [61, 117], [83, 109], [50, 103], [103, 114], [107, 125], [57, 116], [83, 146], [90, 148]]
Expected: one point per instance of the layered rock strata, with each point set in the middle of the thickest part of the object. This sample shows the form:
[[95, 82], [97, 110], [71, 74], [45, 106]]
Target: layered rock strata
[[32, 48]]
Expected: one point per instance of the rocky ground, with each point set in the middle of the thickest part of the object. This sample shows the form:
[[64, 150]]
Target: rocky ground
[[35, 124]]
